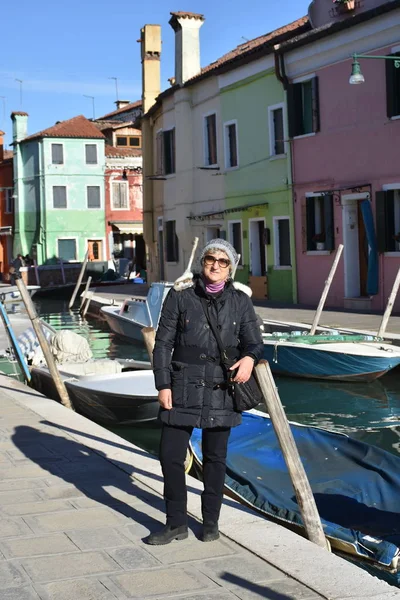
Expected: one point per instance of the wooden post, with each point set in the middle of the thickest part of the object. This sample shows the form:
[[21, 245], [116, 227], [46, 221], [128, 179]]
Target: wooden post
[[89, 299], [35, 266], [30, 309], [326, 290], [389, 307], [78, 283], [85, 293], [149, 337], [304, 495], [62, 271]]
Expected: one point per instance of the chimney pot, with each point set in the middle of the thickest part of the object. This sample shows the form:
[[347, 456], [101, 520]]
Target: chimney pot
[[150, 39], [187, 44], [121, 103]]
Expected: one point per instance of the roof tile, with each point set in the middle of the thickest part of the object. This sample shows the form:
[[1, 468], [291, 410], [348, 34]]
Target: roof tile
[[114, 152], [121, 110], [77, 127]]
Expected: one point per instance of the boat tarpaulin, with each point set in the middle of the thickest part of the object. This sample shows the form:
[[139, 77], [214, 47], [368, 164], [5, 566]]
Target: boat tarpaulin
[[356, 486], [373, 263]]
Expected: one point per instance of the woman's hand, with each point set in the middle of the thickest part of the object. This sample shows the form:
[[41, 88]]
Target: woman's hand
[[165, 399], [245, 367]]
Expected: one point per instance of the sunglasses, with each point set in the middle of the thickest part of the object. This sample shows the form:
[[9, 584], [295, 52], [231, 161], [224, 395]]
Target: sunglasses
[[222, 262]]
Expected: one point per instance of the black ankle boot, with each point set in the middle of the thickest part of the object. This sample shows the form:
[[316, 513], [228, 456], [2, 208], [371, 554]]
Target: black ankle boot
[[167, 534], [210, 532]]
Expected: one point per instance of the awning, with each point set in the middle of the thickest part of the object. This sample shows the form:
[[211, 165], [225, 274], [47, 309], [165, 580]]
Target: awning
[[6, 230], [128, 227], [224, 211]]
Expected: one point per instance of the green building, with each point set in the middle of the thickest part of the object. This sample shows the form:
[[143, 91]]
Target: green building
[[59, 190]]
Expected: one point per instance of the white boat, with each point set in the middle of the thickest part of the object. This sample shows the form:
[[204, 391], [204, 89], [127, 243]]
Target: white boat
[[337, 356], [128, 320], [10, 294], [100, 391]]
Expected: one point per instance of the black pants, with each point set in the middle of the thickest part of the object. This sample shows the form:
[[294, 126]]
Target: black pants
[[174, 444]]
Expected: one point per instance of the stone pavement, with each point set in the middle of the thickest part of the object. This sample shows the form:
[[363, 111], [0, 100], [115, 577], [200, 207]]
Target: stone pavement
[[76, 502]]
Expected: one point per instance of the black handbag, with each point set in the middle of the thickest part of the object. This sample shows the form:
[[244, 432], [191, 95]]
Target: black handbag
[[245, 395]]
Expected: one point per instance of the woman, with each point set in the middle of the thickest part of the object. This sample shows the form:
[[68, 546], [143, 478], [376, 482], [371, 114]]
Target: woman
[[192, 383]]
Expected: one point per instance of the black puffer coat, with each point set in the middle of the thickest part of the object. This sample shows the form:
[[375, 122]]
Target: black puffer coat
[[186, 356]]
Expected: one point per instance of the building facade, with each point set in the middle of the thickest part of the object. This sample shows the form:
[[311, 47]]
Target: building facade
[[345, 167], [6, 207], [59, 191]]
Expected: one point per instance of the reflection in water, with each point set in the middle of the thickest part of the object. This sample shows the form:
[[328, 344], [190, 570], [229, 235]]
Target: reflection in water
[[369, 412]]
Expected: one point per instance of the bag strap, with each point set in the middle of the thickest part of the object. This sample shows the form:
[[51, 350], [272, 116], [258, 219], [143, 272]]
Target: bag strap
[[214, 329]]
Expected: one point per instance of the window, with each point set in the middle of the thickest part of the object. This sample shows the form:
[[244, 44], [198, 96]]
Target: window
[[231, 145], [276, 131], [303, 107], [392, 87], [120, 192], [210, 136], [318, 223], [93, 196], [282, 242], [388, 220], [172, 242], [169, 151], [9, 203], [59, 196], [129, 140], [67, 249], [235, 238], [57, 154], [91, 154]]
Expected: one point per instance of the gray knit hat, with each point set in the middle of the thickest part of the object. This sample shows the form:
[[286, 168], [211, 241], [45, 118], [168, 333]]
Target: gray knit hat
[[224, 246]]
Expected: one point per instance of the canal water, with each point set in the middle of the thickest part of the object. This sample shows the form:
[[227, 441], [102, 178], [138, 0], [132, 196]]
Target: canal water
[[368, 412]]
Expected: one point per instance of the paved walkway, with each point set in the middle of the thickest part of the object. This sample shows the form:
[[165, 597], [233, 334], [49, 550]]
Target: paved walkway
[[76, 502]]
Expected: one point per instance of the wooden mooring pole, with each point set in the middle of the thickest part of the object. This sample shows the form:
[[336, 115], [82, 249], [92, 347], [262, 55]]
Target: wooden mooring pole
[[85, 293], [301, 485], [149, 338], [389, 307], [32, 314], [326, 290], [78, 283]]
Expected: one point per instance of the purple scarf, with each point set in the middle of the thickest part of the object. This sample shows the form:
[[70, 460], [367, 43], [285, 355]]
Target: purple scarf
[[214, 288]]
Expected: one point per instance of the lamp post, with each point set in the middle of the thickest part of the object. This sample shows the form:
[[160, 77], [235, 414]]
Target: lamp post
[[357, 77]]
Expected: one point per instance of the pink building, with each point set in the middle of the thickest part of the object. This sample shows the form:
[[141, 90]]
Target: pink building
[[345, 168]]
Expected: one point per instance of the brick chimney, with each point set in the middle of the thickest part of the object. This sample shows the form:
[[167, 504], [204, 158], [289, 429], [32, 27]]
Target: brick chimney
[[121, 103], [2, 134], [187, 44], [150, 41], [20, 125]]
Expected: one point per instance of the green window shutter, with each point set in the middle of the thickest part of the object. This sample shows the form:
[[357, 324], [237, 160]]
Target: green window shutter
[[310, 222], [389, 220], [380, 211], [315, 105], [329, 223], [291, 111], [390, 89]]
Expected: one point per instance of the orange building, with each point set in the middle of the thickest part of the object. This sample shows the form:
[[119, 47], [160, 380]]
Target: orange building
[[6, 208]]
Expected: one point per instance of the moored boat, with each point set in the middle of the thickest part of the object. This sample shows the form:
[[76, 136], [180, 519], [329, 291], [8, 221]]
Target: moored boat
[[128, 320], [356, 486]]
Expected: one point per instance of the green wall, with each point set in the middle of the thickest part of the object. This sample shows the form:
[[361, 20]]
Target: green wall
[[259, 178]]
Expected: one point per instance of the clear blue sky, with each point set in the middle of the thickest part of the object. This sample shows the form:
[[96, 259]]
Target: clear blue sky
[[63, 50]]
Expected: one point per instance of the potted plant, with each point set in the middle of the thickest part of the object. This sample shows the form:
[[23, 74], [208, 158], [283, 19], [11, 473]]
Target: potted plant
[[319, 240], [396, 238], [345, 5]]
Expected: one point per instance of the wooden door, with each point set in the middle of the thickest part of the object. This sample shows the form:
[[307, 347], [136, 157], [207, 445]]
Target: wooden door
[[95, 249]]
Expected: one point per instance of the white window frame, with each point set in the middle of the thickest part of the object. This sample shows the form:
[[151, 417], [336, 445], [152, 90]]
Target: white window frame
[[126, 183], [96, 164], [86, 197], [271, 131], [52, 198], [51, 153], [67, 237], [8, 192], [275, 225], [205, 115], [173, 174], [230, 238], [227, 153]]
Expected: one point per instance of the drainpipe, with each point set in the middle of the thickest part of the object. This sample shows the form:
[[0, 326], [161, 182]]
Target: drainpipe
[[280, 73]]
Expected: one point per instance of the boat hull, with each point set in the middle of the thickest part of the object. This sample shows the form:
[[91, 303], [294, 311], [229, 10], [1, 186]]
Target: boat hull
[[100, 405], [311, 363], [121, 326]]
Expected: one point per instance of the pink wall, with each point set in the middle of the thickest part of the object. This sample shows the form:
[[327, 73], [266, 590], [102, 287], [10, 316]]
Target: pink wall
[[357, 145]]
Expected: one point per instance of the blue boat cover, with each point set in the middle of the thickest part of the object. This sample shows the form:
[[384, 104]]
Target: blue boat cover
[[356, 486], [373, 261]]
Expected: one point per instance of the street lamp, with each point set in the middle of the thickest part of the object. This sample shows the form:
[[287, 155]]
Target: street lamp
[[357, 77]]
